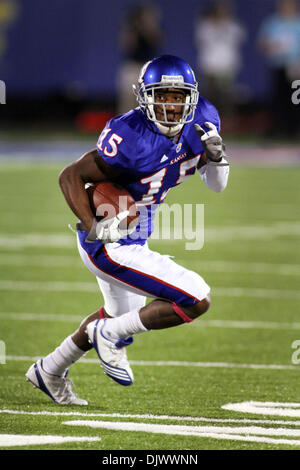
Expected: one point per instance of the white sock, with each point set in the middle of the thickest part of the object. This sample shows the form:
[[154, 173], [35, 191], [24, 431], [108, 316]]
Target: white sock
[[62, 357], [126, 325]]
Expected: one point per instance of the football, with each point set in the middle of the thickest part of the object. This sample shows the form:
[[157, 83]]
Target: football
[[107, 199]]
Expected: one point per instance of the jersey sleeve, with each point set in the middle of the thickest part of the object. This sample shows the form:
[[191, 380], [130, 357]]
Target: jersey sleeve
[[215, 118], [115, 145], [207, 112]]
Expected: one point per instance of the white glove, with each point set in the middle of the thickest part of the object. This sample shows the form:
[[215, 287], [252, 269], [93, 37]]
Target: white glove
[[212, 142], [108, 230]]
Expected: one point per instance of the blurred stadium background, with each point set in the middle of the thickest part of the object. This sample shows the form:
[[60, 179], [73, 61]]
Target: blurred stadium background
[[62, 62]]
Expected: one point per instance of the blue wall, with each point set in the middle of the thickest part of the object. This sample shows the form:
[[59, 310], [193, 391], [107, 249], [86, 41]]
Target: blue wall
[[49, 45]]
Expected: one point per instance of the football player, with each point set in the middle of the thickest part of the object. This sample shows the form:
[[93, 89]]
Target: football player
[[171, 135]]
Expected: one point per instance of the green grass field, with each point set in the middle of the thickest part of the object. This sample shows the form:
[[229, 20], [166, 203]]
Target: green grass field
[[241, 351]]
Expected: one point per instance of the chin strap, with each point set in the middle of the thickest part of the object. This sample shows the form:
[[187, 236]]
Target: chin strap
[[169, 131]]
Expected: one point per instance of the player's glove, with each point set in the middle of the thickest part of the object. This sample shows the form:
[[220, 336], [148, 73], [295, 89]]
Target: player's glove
[[108, 230], [212, 142]]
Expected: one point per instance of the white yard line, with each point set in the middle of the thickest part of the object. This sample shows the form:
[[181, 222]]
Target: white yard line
[[50, 286], [70, 318], [44, 317], [256, 293], [55, 240], [16, 440], [245, 267], [43, 261], [187, 430], [242, 431], [62, 286], [246, 324], [212, 266], [253, 434], [160, 235], [291, 410], [223, 365], [151, 416]]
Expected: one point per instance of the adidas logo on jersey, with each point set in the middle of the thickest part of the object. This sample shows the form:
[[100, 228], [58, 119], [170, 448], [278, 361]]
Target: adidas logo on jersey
[[164, 158]]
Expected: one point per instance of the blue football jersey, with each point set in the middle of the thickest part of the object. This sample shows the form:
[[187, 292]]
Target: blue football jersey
[[149, 163]]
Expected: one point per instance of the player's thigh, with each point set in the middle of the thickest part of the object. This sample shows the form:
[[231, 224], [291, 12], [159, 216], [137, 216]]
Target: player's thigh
[[139, 270], [156, 275], [118, 299]]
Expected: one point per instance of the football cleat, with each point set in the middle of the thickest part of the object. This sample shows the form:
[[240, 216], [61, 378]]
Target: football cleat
[[59, 389], [112, 355]]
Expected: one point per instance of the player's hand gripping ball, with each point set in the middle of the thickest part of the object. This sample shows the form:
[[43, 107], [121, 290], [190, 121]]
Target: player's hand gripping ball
[[115, 212]]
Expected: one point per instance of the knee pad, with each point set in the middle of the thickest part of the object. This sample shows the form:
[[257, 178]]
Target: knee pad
[[101, 314], [181, 313]]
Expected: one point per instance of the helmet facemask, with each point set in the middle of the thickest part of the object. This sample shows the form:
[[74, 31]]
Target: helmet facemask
[[146, 99]]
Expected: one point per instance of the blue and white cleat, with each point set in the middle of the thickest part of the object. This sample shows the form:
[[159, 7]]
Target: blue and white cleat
[[112, 355], [59, 389]]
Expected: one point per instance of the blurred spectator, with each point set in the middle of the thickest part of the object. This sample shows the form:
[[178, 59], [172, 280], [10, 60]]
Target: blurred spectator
[[140, 40], [279, 40], [219, 37], [8, 13]]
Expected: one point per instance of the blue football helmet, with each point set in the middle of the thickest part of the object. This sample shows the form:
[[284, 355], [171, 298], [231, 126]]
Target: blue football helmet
[[162, 73]]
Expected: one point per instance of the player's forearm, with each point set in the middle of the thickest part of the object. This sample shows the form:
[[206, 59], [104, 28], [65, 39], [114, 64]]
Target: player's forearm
[[213, 166], [73, 189], [90, 168], [215, 176]]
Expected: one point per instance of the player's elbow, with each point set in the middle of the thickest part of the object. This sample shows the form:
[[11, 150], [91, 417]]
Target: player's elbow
[[66, 175], [62, 176]]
